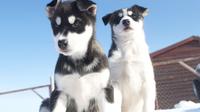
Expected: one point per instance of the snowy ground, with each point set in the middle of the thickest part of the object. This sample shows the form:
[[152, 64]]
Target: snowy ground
[[180, 110], [184, 106]]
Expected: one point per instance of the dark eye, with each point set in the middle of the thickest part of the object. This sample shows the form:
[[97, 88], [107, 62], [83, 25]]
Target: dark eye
[[135, 16], [77, 23]]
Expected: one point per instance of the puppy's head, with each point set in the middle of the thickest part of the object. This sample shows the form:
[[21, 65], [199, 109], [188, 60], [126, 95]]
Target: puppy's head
[[72, 23], [125, 21]]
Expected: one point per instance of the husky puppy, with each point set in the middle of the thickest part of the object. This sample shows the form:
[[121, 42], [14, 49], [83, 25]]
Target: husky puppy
[[129, 59], [81, 73]]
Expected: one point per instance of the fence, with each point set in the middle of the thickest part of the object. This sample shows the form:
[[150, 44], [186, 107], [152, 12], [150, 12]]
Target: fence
[[33, 89]]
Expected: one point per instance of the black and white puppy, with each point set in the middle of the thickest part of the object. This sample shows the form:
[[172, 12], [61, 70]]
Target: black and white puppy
[[81, 73], [129, 59]]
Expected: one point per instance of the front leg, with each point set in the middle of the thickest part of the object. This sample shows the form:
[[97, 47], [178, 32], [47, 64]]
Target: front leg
[[149, 96], [109, 93], [58, 101]]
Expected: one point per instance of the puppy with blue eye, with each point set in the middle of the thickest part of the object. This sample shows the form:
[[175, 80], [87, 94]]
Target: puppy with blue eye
[[82, 72], [130, 64]]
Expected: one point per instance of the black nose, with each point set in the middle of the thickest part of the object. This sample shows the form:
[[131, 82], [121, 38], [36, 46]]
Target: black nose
[[126, 22], [62, 44]]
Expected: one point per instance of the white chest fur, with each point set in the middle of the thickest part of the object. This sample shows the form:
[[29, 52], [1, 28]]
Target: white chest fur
[[132, 58], [131, 68], [83, 88]]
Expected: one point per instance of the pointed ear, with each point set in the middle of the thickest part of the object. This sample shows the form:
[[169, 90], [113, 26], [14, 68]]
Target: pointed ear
[[144, 11], [51, 7], [106, 18], [87, 5]]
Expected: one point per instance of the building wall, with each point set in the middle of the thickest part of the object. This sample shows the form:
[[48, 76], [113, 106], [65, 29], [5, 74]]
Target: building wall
[[174, 83]]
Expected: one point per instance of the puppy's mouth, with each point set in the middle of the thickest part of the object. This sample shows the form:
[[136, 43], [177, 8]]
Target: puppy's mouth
[[128, 28], [64, 50]]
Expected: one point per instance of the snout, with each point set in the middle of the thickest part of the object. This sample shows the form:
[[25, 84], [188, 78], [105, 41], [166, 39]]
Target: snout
[[62, 44], [126, 22]]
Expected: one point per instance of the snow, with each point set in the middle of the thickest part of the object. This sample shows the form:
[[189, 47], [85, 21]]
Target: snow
[[184, 106]]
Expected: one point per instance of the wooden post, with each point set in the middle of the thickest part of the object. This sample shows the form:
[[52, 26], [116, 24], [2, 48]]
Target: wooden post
[[189, 68]]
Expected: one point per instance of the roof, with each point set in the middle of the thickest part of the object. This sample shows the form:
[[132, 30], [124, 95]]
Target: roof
[[174, 46]]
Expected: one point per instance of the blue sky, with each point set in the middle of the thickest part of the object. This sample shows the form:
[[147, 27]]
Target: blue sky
[[28, 55]]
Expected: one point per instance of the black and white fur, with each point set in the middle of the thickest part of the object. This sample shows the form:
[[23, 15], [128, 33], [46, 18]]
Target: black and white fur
[[129, 59], [45, 106], [81, 73]]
